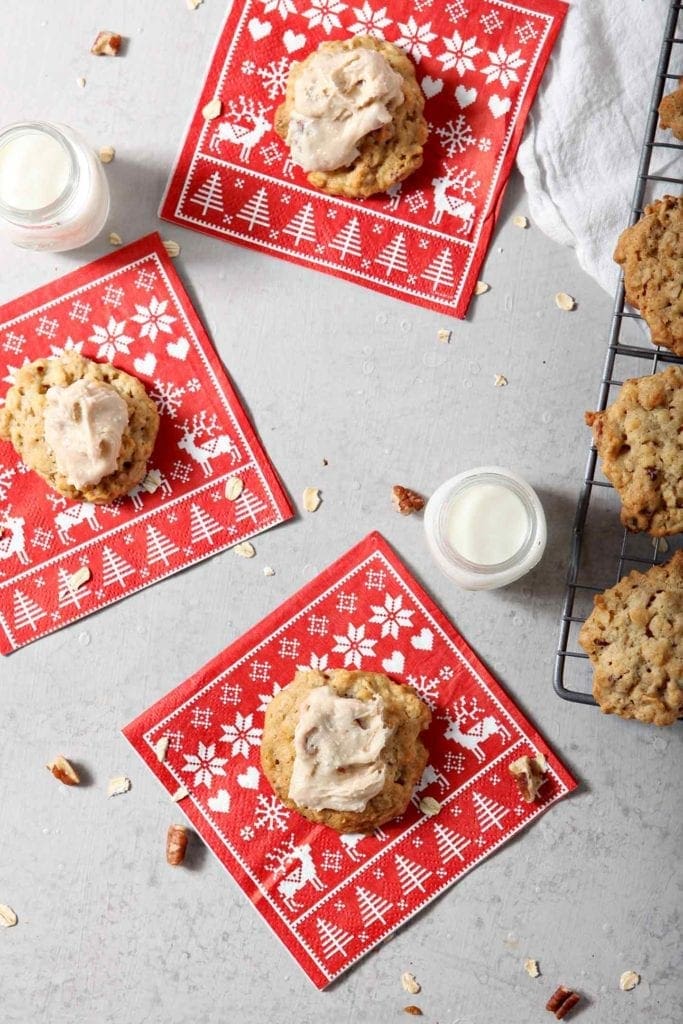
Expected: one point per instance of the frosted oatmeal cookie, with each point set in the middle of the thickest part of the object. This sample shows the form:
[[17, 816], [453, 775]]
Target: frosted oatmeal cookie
[[671, 111], [650, 253], [344, 749], [87, 428], [640, 442], [634, 638], [353, 117]]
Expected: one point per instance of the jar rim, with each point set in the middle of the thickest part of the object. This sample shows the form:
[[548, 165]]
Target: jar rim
[[44, 214]]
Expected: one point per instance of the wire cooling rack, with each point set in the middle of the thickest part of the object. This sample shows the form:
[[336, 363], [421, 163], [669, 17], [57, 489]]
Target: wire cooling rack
[[600, 555]]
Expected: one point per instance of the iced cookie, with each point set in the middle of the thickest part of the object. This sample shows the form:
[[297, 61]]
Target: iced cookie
[[634, 638], [344, 749], [640, 442], [671, 112], [650, 253], [352, 117], [87, 428]]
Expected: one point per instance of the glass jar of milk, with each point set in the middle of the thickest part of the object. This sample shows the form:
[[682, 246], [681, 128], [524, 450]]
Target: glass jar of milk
[[53, 191], [485, 528]]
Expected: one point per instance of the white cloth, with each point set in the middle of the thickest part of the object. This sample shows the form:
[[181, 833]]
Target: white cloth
[[580, 153]]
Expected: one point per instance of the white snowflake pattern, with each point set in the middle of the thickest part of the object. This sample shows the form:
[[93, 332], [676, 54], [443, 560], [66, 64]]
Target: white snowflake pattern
[[415, 39], [248, 67], [480, 841], [456, 136], [274, 76], [459, 53], [370, 23], [354, 646], [204, 764], [525, 32], [317, 663], [427, 687], [247, 833], [281, 7], [490, 22], [503, 66], [154, 318], [168, 398], [111, 339], [324, 13], [416, 202], [242, 734], [193, 385], [266, 698], [392, 615], [270, 813], [69, 346], [446, 672], [13, 342], [456, 10]]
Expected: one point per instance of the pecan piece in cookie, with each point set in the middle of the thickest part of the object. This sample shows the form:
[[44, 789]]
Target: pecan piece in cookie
[[671, 111]]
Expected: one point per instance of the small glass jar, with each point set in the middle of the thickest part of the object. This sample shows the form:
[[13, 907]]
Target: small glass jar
[[485, 528], [53, 191]]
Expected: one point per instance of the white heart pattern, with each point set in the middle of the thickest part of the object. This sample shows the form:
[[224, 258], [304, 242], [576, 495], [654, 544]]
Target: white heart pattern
[[396, 663], [499, 106], [178, 349], [465, 97], [259, 29], [423, 641], [146, 365], [431, 86], [293, 40], [220, 802], [249, 779]]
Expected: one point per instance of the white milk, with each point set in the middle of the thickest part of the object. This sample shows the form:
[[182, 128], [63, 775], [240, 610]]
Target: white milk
[[487, 523], [34, 171]]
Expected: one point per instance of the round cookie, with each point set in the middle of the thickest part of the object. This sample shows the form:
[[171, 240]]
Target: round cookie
[[404, 754], [650, 253], [634, 638], [389, 154], [671, 112], [22, 423], [640, 442]]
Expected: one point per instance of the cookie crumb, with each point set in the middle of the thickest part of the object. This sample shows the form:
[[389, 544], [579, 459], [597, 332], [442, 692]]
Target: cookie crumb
[[444, 335], [107, 44], [520, 222], [8, 918], [171, 247], [410, 983], [429, 806], [481, 288], [531, 967], [118, 785], [234, 486], [114, 238], [106, 154], [529, 774], [268, 570], [565, 302], [628, 981], [63, 771], [312, 499], [179, 794], [192, 5], [161, 749], [500, 381], [325, 462], [245, 550], [80, 82], [212, 110]]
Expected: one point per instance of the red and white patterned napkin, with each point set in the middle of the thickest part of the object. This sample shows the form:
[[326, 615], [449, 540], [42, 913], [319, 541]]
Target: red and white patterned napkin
[[479, 63], [331, 898], [130, 309]]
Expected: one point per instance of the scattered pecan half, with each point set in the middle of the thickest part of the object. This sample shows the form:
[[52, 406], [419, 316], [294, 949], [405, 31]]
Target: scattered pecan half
[[176, 844], [562, 1001], [62, 770], [406, 501], [107, 44], [529, 774]]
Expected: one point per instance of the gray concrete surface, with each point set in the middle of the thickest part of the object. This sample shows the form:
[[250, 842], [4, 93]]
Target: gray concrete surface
[[108, 934]]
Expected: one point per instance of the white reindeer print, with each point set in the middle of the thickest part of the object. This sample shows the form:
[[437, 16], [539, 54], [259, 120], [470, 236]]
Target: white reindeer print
[[429, 776], [245, 125], [146, 486], [350, 841], [480, 730], [210, 449], [12, 538], [394, 194], [456, 205], [297, 866], [72, 515]]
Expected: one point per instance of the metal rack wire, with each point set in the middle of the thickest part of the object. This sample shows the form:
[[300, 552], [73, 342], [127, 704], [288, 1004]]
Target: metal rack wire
[[600, 555]]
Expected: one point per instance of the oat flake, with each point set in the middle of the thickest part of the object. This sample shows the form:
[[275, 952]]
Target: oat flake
[[8, 918], [106, 154], [268, 570], [233, 487], [179, 794], [565, 302], [430, 806], [520, 222], [501, 381], [161, 749], [212, 110], [531, 967], [311, 499], [114, 238], [245, 549], [481, 287], [628, 981], [171, 247], [118, 785], [410, 983], [444, 335], [78, 578]]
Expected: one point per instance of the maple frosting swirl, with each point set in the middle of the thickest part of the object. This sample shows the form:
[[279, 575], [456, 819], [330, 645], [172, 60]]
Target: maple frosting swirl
[[84, 425]]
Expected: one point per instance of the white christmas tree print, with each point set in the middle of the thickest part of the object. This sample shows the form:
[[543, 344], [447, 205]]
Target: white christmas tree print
[[111, 339], [209, 196], [394, 256], [489, 812], [411, 875], [456, 136], [440, 270], [373, 907], [27, 612], [503, 66], [370, 23], [449, 844], [282, 7], [392, 615], [153, 318], [274, 76], [324, 13], [159, 547], [347, 242], [354, 646], [333, 938], [414, 38], [114, 568], [249, 506], [203, 526], [204, 764], [460, 53], [242, 734], [302, 227], [66, 594], [255, 211]]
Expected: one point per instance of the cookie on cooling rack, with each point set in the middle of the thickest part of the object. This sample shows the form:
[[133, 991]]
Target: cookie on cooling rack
[[87, 428], [671, 111], [650, 253], [344, 748], [353, 117], [634, 638], [640, 442]]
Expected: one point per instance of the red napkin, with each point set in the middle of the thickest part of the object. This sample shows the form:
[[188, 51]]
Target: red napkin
[[479, 63], [130, 309], [331, 898]]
